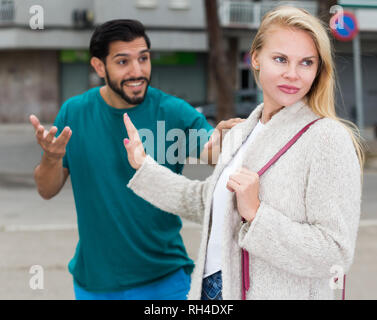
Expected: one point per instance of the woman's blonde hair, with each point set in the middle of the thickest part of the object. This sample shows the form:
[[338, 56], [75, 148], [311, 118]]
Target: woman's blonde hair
[[321, 96]]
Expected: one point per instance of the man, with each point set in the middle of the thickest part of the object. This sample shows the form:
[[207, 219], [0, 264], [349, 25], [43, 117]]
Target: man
[[127, 248]]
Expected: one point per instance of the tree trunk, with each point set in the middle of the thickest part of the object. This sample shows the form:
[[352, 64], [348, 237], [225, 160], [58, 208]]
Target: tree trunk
[[218, 63], [324, 9], [232, 57]]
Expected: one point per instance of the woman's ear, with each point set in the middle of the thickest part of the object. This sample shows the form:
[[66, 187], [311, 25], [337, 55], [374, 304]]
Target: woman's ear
[[98, 66], [254, 61]]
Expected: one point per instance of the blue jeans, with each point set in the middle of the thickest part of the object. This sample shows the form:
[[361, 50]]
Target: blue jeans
[[212, 287], [173, 287]]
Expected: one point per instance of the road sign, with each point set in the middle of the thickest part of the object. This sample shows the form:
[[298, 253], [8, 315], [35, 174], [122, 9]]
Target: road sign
[[370, 4], [344, 25]]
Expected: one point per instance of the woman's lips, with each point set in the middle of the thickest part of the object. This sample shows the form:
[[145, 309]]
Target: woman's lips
[[289, 89]]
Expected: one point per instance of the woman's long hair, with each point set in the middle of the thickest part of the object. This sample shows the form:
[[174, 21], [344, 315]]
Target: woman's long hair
[[321, 96]]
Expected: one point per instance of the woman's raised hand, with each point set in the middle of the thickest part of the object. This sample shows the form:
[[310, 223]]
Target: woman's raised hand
[[134, 146]]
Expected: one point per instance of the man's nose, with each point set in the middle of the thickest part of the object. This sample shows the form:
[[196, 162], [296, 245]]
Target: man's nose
[[135, 70]]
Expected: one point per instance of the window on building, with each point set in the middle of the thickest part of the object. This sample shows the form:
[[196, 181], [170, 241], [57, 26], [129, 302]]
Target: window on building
[[146, 4], [179, 4], [6, 11]]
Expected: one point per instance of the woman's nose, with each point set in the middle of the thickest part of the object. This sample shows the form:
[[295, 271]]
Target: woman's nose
[[291, 73]]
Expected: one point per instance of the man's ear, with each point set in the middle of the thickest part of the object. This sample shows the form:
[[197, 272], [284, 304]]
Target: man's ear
[[98, 66]]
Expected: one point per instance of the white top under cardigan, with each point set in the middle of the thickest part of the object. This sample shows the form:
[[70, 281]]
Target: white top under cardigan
[[309, 209], [221, 197]]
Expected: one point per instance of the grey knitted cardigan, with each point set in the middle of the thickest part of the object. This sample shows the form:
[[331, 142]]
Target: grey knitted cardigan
[[308, 218]]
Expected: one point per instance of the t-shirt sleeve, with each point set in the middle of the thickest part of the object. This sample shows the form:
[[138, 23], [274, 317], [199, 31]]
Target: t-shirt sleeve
[[197, 128], [61, 122]]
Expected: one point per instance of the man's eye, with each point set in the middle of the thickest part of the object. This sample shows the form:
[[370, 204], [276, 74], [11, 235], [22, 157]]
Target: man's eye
[[280, 59], [122, 62], [144, 58]]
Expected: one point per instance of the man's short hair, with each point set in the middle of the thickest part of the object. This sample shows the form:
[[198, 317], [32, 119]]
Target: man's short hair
[[115, 30]]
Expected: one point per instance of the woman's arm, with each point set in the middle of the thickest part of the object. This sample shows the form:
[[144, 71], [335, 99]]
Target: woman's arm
[[161, 187], [169, 191], [333, 209]]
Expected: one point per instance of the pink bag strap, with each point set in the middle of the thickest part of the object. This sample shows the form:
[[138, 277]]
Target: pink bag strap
[[245, 253], [286, 147]]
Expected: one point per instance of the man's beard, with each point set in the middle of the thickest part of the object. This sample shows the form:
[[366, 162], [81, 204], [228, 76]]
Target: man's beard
[[118, 89]]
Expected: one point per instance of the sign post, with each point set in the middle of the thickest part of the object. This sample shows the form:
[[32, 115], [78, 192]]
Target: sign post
[[358, 83], [344, 27]]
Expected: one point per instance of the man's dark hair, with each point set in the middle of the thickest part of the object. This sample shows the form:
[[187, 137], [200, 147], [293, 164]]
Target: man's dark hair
[[115, 30]]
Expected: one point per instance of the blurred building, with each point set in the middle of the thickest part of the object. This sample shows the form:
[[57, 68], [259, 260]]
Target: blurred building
[[39, 69]]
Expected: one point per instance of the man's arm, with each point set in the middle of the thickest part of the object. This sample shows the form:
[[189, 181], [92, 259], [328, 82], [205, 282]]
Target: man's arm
[[212, 148], [50, 175]]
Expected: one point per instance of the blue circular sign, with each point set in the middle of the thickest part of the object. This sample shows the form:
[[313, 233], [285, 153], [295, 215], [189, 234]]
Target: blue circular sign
[[344, 26]]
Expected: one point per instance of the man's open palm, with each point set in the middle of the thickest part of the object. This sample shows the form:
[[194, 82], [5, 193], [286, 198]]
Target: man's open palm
[[54, 148]]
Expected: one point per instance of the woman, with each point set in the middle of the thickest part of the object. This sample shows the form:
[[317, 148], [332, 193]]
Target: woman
[[300, 219]]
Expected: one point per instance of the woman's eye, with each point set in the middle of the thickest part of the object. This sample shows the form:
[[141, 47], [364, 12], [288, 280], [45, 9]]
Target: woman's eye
[[280, 59], [308, 62]]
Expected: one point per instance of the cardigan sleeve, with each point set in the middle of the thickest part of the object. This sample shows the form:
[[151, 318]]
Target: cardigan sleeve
[[169, 191], [332, 202]]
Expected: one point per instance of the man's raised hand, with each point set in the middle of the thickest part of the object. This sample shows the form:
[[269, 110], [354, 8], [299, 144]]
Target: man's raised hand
[[54, 148], [212, 148]]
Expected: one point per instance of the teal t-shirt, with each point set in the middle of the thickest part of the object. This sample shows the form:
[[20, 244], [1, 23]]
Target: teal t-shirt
[[124, 241]]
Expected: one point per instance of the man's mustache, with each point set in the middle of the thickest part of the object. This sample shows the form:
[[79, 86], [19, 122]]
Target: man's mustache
[[133, 80]]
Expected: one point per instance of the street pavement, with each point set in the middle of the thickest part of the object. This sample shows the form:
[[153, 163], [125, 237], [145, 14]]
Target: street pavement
[[36, 232]]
